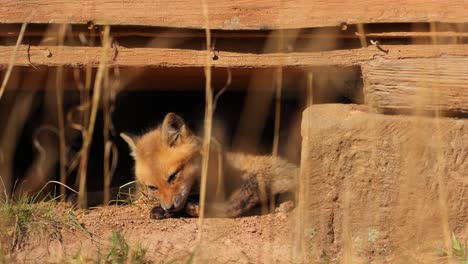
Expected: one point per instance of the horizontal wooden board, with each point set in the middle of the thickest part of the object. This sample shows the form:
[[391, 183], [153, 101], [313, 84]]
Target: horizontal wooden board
[[223, 14], [417, 84], [159, 57]]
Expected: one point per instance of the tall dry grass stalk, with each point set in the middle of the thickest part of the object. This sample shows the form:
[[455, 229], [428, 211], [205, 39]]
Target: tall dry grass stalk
[[111, 153], [82, 200], [440, 158], [207, 122], [11, 63], [278, 88], [106, 129], [309, 91], [60, 115], [362, 35], [85, 98], [304, 178], [107, 143], [218, 146], [300, 246], [270, 207]]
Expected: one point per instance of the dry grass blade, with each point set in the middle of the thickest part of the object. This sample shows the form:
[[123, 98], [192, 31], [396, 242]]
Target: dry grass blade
[[59, 183], [208, 120], [362, 35], [278, 87], [12, 60], [220, 92], [279, 84], [106, 129], [82, 202], [309, 92], [88, 78], [60, 116], [441, 159]]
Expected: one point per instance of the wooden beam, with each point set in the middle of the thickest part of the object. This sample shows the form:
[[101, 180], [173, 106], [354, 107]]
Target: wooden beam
[[224, 14], [159, 57], [417, 84]]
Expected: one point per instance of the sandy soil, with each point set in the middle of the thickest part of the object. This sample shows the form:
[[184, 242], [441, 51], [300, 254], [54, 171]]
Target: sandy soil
[[253, 239]]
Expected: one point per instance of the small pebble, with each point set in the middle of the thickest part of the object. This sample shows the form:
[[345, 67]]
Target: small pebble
[[251, 230]]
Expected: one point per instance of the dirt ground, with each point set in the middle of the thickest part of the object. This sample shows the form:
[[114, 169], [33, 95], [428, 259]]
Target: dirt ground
[[252, 239]]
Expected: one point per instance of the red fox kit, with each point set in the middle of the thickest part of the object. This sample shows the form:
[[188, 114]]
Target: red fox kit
[[168, 163]]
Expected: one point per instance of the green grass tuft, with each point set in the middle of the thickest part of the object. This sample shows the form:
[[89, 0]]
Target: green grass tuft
[[120, 253], [459, 250]]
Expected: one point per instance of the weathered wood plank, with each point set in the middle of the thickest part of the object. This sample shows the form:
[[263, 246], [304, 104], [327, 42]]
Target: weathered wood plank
[[246, 14], [417, 84], [158, 57], [375, 184]]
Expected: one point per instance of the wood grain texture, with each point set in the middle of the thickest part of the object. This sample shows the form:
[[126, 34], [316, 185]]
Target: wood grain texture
[[223, 14], [159, 57], [417, 84]]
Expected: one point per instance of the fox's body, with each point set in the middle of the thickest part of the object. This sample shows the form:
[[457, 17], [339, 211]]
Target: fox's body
[[168, 161]]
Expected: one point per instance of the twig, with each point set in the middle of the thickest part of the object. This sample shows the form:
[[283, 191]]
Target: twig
[[377, 44], [12, 59]]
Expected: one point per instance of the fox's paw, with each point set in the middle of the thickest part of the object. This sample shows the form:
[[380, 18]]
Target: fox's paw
[[233, 212], [244, 199], [158, 213], [192, 209]]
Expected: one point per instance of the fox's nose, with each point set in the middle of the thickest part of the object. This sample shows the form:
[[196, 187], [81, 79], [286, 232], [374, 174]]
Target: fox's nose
[[168, 207]]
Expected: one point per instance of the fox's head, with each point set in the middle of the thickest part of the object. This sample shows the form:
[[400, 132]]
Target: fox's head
[[167, 161]]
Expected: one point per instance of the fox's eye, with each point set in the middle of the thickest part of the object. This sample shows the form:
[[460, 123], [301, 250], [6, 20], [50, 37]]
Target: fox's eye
[[152, 188], [173, 177]]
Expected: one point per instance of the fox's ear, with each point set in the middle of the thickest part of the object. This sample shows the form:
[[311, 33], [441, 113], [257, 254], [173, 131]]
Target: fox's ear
[[131, 143], [173, 129]]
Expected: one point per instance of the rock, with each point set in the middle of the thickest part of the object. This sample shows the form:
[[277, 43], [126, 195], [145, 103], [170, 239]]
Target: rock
[[383, 178]]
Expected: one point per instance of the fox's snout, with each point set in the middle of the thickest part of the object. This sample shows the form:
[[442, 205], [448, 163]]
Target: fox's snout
[[174, 204], [167, 207]]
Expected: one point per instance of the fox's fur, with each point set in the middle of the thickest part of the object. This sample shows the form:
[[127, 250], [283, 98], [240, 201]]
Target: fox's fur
[[168, 162]]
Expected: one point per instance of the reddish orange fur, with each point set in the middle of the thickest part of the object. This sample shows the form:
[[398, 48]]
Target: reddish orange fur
[[156, 161], [173, 147]]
